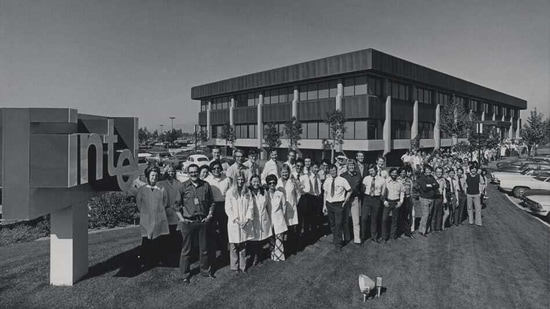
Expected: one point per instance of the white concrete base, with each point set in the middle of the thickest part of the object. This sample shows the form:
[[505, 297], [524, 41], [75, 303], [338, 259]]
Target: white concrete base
[[69, 245]]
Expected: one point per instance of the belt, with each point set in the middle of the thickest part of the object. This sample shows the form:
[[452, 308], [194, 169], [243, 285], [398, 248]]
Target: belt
[[195, 218]]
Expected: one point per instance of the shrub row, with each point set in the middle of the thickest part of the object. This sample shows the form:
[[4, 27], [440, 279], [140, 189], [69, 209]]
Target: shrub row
[[112, 209]]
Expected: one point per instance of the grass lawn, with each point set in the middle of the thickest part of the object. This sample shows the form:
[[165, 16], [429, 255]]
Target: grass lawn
[[504, 264]]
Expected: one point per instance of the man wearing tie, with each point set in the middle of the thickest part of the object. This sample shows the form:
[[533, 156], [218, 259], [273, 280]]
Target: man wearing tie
[[373, 186], [361, 166], [307, 204], [461, 193], [453, 188], [337, 193], [317, 199], [252, 164]]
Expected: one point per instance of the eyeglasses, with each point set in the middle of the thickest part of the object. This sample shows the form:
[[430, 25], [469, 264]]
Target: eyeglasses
[[193, 173], [272, 183]]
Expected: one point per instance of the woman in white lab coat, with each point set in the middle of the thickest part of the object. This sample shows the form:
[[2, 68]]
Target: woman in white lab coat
[[239, 210], [275, 200], [261, 221]]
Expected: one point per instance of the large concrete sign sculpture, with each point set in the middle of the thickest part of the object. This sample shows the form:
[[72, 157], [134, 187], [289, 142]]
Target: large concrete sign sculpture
[[53, 161]]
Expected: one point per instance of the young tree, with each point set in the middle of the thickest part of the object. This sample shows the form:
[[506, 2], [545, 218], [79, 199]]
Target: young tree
[[272, 137], [143, 135], [415, 143], [535, 131], [337, 127], [293, 131], [228, 134], [454, 119]]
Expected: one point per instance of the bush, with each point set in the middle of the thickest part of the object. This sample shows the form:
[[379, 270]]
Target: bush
[[112, 209], [24, 231]]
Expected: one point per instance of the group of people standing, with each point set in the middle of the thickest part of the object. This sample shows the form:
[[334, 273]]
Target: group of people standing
[[239, 209]]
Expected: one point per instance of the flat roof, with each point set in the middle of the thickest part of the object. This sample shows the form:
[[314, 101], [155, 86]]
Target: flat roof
[[366, 60]]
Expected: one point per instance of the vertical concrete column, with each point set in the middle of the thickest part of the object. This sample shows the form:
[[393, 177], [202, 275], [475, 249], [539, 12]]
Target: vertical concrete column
[[260, 129], [494, 116], [511, 130], [295, 96], [414, 126], [518, 133], [482, 119], [437, 132], [339, 94], [232, 112], [386, 130], [208, 121], [69, 244]]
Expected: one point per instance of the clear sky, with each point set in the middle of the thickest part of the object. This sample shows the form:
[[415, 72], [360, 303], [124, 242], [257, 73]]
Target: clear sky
[[141, 57]]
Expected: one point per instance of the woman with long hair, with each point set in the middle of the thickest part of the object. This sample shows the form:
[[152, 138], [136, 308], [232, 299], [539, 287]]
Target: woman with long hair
[[261, 220], [172, 244], [288, 187], [275, 200], [239, 210]]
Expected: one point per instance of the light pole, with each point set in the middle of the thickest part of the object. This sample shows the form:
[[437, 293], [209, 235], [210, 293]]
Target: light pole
[[161, 130], [196, 142], [172, 132], [478, 133]]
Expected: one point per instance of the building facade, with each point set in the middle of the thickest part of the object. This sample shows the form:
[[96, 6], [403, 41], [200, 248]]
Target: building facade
[[386, 102]]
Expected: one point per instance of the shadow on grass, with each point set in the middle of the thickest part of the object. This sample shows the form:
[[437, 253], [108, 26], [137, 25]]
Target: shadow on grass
[[127, 263], [373, 294]]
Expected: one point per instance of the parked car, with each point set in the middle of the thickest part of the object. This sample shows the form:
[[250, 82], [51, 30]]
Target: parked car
[[497, 176], [517, 186], [198, 159], [537, 202], [159, 157], [532, 166], [520, 162], [177, 159], [142, 157]]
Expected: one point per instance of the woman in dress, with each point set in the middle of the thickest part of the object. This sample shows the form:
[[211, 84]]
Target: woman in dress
[[239, 209], [152, 201], [261, 220], [275, 200]]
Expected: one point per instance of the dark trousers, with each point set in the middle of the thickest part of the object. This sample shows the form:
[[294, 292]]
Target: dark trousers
[[256, 250], [219, 224], [459, 213], [394, 218], [171, 245], [318, 215], [335, 219], [371, 205], [188, 231], [293, 241], [307, 212], [405, 216], [151, 250], [345, 222], [437, 214]]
